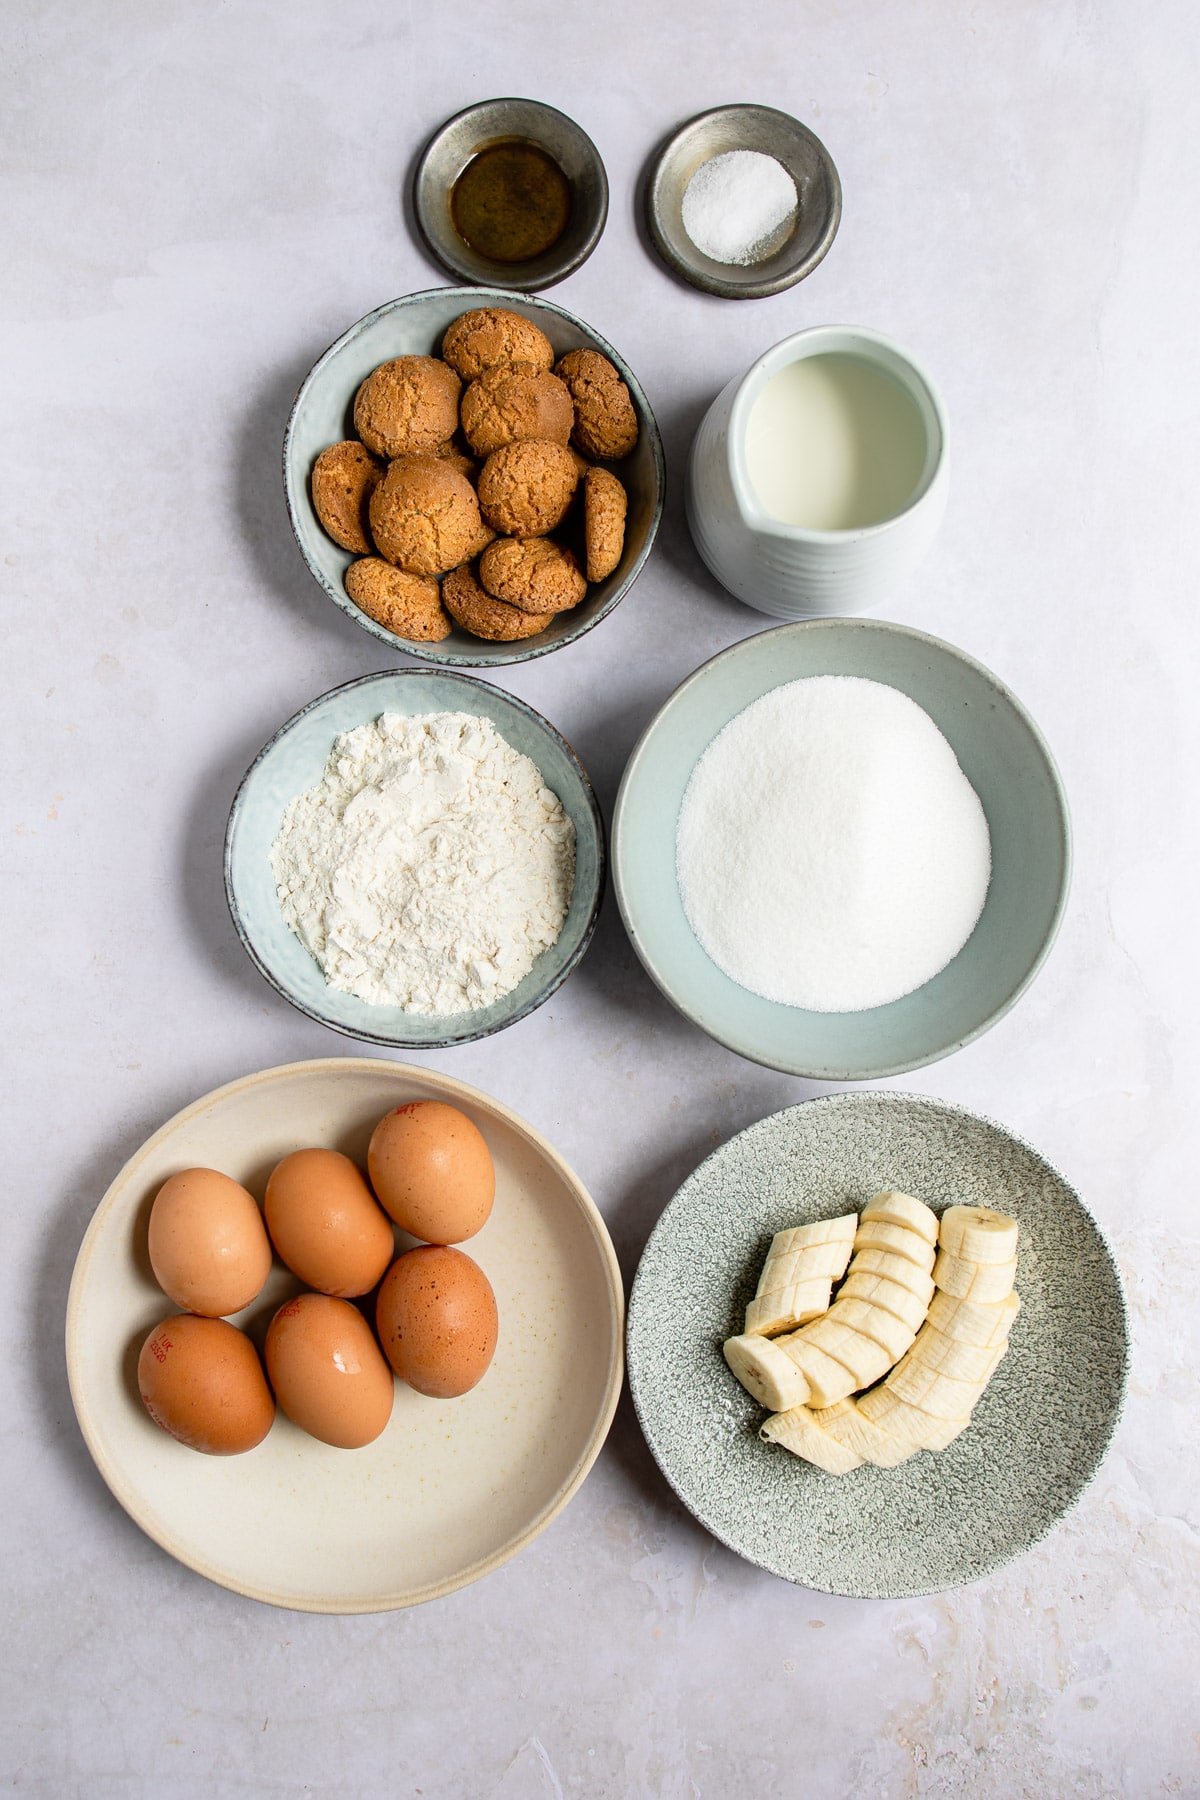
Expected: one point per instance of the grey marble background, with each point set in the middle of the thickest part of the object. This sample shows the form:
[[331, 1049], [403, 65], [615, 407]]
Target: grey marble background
[[197, 198]]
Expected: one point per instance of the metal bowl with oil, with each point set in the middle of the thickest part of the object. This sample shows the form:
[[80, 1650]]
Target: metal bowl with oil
[[546, 136]]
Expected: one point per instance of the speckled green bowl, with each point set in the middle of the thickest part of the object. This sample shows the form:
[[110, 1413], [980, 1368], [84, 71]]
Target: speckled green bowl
[[1002, 754], [294, 761], [414, 326], [1039, 1433]]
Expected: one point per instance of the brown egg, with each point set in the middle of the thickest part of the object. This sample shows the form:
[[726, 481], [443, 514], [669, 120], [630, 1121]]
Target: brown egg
[[325, 1223], [432, 1171], [327, 1371], [436, 1318], [208, 1245], [201, 1380]]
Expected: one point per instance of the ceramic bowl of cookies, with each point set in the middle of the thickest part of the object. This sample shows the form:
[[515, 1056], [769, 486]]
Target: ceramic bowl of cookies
[[473, 476]]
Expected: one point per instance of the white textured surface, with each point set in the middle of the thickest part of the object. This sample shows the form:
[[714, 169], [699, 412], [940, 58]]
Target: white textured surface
[[197, 199]]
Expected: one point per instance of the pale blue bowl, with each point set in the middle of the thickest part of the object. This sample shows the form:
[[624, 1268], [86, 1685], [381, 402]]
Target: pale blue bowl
[[294, 760], [415, 326], [1002, 754]]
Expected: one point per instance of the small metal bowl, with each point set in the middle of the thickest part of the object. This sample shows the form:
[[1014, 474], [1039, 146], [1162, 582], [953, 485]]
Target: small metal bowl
[[449, 151], [777, 134]]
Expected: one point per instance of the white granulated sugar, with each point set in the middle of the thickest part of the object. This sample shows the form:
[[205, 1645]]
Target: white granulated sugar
[[430, 865], [831, 853], [737, 205]]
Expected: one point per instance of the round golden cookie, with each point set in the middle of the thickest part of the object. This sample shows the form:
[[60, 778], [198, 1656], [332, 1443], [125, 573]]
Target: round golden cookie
[[606, 424], [604, 507], [343, 480], [526, 488], [424, 516], [407, 407], [515, 401], [490, 336], [409, 605], [534, 573], [478, 612]]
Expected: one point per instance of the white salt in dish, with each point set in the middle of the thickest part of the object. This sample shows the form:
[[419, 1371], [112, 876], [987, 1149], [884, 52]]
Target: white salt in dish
[[830, 852], [740, 206]]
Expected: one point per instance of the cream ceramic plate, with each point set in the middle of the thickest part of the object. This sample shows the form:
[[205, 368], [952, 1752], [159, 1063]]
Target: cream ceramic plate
[[453, 1488]]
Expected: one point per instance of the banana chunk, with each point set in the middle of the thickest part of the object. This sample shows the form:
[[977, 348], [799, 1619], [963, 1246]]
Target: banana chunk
[[799, 1432], [863, 1437], [985, 1283], [978, 1234], [807, 1262], [898, 1239], [895, 1268], [817, 1231], [945, 1396], [890, 1295], [972, 1321], [784, 1309], [965, 1362], [883, 1328], [766, 1372], [827, 1376], [895, 1208], [912, 1426], [866, 1360]]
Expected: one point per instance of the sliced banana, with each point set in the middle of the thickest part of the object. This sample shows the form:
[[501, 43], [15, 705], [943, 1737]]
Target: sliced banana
[[866, 1360], [985, 1283], [971, 1321], [884, 1328], [934, 1392], [807, 1262], [879, 1291], [766, 1372], [784, 1309], [798, 1431], [965, 1362], [978, 1234], [863, 1437], [894, 1208], [895, 1268], [908, 1423], [873, 1234], [817, 1231], [827, 1375]]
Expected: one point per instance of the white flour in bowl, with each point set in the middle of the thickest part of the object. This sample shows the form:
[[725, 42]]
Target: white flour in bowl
[[429, 867], [831, 854]]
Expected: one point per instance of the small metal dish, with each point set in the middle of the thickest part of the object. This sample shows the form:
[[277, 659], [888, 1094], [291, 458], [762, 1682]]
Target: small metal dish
[[449, 151], [777, 134]]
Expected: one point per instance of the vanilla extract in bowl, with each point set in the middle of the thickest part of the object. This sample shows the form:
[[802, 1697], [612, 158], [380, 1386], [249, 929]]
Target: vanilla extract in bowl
[[512, 202]]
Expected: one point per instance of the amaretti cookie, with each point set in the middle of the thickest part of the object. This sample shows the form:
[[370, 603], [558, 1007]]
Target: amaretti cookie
[[534, 573], [525, 489], [343, 479], [490, 336], [604, 508], [606, 426], [515, 401], [409, 605], [424, 516], [480, 613], [407, 407]]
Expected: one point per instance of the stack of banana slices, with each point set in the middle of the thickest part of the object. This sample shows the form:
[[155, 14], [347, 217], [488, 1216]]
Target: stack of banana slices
[[925, 1303]]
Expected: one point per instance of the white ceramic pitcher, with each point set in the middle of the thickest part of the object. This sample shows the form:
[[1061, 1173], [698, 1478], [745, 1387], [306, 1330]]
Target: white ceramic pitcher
[[792, 571]]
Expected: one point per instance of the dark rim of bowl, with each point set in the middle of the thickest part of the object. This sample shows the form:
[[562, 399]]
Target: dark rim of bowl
[[558, 271], [891, 1096], [880, 1072], [529, 651], [714, 284], [467, 1035]]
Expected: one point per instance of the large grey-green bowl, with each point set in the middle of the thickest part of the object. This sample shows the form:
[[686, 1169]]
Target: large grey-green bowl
[[415, 326], [1037, 1436], [294, 761], [1006, 760]]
